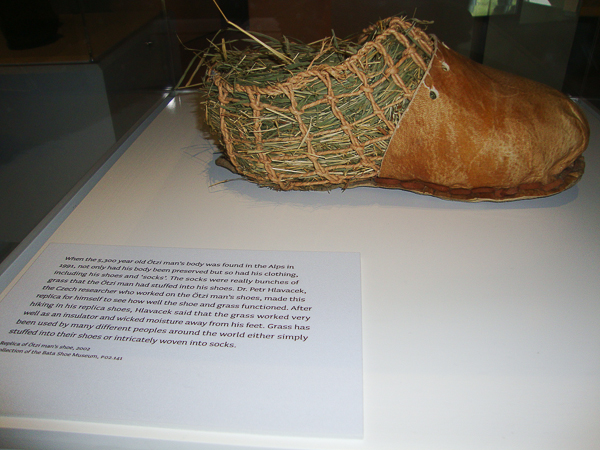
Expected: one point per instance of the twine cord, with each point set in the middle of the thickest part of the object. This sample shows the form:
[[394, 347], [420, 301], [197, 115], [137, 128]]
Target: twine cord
[[327, 126]]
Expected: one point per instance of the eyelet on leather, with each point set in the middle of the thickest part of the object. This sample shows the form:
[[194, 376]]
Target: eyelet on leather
[[433, 93]]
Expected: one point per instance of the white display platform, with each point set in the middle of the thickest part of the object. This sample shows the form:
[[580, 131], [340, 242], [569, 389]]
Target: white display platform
[[480, 321]]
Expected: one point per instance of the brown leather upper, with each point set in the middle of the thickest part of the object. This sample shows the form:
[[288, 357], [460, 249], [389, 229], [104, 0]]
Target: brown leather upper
[[472, 126]]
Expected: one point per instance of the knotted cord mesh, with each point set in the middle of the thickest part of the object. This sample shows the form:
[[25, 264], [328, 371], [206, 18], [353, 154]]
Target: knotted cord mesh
[[326, 126]]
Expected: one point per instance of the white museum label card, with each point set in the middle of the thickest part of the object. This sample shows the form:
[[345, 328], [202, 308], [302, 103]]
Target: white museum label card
[[214, 340]]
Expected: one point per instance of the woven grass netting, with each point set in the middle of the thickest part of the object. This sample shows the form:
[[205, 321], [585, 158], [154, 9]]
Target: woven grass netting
[[320, 117]]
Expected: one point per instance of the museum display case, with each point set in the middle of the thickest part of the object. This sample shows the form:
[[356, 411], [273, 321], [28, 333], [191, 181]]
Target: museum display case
[[93, 69], [151, 298], [97, 67], [75, 77]]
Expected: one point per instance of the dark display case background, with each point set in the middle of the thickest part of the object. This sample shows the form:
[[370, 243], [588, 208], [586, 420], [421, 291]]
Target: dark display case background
[[75, 77]]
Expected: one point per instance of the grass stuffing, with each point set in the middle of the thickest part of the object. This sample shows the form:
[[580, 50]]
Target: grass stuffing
[[292, 115]]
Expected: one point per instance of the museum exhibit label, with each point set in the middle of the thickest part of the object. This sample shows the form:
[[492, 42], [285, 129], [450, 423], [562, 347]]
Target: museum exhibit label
[[213, 340]]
